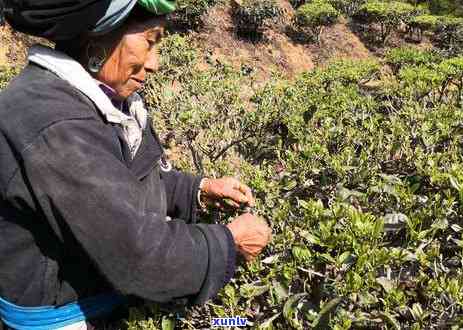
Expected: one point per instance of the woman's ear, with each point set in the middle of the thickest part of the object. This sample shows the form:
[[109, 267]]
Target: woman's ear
[[96, 56]]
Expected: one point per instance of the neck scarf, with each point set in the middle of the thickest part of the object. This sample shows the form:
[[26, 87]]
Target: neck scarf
[[71, 71]]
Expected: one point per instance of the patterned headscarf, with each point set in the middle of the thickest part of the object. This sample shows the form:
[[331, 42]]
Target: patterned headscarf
[[61, 20], [118, 10]]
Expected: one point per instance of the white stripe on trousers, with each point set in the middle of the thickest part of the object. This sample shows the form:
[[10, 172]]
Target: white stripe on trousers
[[76, 326]]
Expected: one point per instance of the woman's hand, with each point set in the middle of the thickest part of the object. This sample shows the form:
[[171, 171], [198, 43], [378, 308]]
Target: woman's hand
[[251, 235], [227, 188]]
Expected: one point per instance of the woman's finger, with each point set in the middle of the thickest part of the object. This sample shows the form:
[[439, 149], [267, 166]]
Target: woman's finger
[[227, 203], [237, 191], [252, 254], [247, 192], [233, 203], [237, 197]]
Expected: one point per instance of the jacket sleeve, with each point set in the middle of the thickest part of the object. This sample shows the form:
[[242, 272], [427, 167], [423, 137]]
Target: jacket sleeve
[[182, 191], [80, 185]]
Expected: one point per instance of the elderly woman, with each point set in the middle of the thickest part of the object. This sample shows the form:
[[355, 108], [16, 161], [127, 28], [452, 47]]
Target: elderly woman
[[91, 211]]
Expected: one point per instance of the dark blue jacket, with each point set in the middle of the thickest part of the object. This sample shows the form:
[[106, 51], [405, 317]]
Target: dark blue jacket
[[77, 217]]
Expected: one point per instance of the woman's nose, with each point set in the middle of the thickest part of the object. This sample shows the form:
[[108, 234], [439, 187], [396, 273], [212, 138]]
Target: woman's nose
[[152, 63]]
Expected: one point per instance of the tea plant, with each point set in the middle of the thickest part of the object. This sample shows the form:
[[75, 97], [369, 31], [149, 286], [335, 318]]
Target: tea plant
[[446, 7], [449, 35], [347, 7], [189, 12], [359, 172], [6, 74], [312, 17], [388, 15], [423, 23], [251, 15], [398, 58], [296, 3]]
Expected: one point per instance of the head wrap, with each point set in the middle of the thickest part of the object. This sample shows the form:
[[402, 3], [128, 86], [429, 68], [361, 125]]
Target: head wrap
[[54, 20], [116, 13], [158, 7], [60, 20], [118, 10]]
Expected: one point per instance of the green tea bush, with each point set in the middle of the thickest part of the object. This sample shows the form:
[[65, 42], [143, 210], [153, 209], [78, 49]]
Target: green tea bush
[[434, 83], [388, 15], [312, 17], [446, 7], [453, 71], [445, 31], [6, 74], [426, 22], [423, 23], [181, 53], [359, 172], [449, 35], [250, 16], [297, 3], [189, 12], [397, 58], [347, 7], [197, 99]]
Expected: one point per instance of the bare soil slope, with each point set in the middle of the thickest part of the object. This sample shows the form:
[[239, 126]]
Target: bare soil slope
[[277, 50], [338, 41]]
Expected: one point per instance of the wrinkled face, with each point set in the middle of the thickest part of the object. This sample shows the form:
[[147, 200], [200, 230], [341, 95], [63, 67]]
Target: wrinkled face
[[134, 55]]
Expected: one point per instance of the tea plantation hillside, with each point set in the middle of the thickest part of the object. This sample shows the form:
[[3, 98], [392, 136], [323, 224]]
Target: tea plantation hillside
[[357, 163]]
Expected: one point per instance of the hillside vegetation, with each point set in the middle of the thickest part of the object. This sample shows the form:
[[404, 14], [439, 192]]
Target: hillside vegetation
[[356, 162]]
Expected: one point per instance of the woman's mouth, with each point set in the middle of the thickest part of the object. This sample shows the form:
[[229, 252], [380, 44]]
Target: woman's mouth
[[138, 81]]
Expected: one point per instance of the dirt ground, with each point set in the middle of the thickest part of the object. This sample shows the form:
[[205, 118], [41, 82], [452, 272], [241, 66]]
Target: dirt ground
[[274, 51], [277, 50], [14, 46]]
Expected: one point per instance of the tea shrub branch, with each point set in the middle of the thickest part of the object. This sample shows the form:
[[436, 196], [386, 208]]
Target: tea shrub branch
[[250, 16], [312, 17]]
